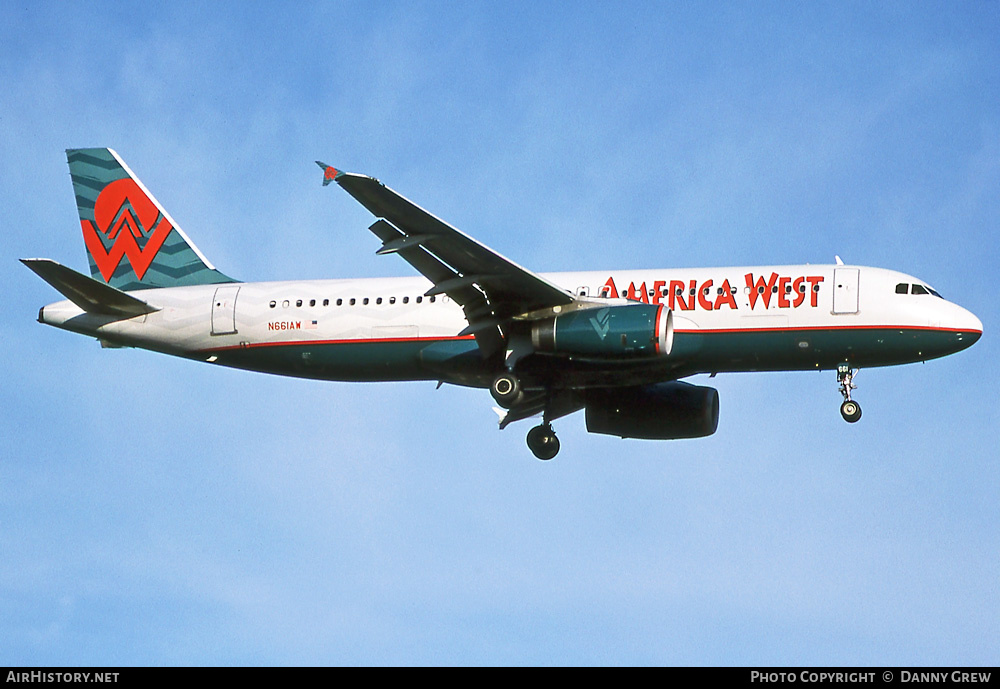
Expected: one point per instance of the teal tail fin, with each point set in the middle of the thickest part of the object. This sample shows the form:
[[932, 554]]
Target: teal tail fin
[[132, 243]]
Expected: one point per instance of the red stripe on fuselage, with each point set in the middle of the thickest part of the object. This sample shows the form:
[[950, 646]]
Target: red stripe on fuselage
[[699, 331], [368, 340]]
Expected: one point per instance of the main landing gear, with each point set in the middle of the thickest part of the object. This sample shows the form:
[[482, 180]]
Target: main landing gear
[[542, 441], [850, 410]]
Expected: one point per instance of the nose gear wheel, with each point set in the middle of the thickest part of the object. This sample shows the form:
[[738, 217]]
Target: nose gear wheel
[[850, 410]]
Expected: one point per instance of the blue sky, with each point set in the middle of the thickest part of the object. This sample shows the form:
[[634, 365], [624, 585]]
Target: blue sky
[[157, 511]]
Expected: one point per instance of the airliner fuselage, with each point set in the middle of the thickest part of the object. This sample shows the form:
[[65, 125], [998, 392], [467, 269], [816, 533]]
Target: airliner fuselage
[[804, 317]]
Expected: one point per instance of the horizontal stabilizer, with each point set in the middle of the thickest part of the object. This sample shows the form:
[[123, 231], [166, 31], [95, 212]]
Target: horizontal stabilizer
[[93, 296]]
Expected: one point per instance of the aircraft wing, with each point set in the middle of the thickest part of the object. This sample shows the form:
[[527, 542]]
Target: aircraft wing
[[490, 288]]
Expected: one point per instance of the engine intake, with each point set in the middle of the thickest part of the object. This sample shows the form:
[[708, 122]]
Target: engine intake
[[610, 331], [665, 411]]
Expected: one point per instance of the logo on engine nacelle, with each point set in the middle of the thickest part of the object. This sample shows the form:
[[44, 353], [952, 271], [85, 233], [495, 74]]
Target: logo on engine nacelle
[[602, 322]]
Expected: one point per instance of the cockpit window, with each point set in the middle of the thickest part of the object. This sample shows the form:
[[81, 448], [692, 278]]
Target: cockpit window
[[904, 288]]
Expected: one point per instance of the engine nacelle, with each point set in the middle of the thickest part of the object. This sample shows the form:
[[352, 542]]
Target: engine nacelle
[[666, 411], [612, 331]]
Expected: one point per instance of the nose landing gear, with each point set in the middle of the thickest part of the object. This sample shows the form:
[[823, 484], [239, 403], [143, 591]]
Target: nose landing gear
[[542, 441], [850, 410]]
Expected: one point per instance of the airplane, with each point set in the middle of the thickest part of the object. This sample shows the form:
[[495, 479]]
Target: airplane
[[614, 343]]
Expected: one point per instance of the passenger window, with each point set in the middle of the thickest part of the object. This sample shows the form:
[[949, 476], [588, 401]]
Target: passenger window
[[340, 302], [392, 300], [379, 300], [273, 303], [902, 288], [284, 304], [919, 289], [326, 302], [419, 299], [298, 302], [353, 301], [433, 297], [365, 301], [406, 300]]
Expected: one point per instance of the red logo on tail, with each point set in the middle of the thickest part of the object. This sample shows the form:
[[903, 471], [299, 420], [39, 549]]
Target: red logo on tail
[[125, 214]]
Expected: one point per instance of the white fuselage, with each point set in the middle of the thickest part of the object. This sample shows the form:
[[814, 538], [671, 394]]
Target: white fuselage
[[819, 307]]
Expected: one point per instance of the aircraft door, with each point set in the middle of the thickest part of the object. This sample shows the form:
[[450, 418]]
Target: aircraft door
[[224, 310], [845, 290]]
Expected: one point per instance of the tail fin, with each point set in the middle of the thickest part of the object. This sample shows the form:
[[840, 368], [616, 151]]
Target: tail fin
[[122, 220]]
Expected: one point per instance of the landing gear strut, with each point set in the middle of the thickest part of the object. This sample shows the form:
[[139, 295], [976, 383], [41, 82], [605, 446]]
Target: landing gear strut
[[850, 410], [542, 441]]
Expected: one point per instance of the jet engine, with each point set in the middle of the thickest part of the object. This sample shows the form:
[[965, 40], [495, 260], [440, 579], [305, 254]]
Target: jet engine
[[665, 411], [611, 331]]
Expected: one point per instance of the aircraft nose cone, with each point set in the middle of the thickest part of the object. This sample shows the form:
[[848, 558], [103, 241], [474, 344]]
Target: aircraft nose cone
[[968, 328], [969, 321], [977, 325]]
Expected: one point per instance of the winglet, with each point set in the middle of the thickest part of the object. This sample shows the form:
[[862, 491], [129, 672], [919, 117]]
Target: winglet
[[330, 173]]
